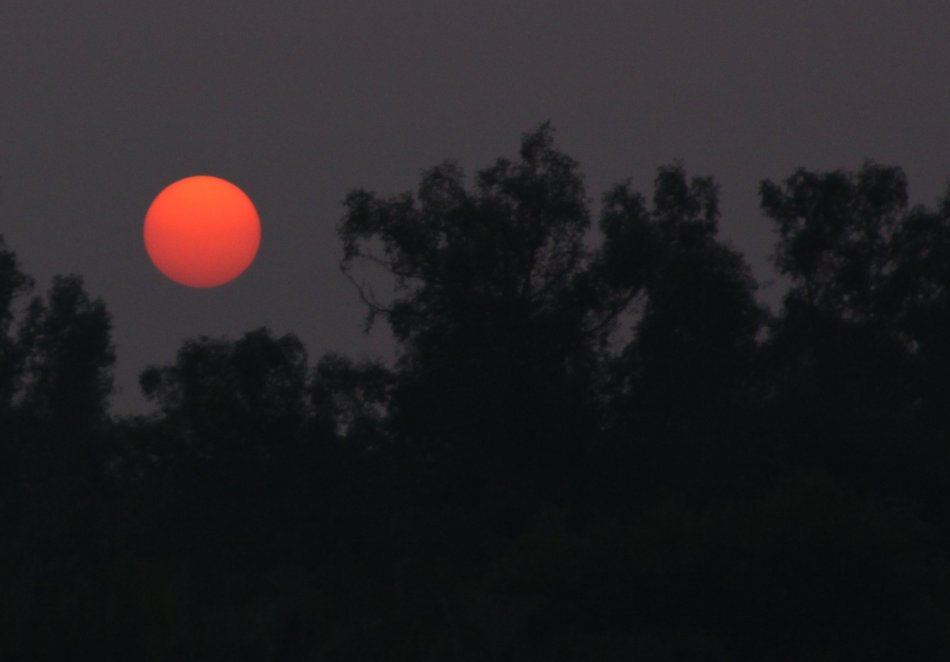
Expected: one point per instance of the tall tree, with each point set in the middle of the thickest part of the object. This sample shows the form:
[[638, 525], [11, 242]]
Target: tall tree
[[13, 285], [683, 381], [843, 350], [918, 297], [61, 419], [67, 337], [488, 308]]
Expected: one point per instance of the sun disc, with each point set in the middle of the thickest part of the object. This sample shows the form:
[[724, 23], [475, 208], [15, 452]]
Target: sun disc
[[202, 231]]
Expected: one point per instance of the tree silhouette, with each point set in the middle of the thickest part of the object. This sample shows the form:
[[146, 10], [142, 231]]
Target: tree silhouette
[[918, 299], [13, 285], [68, 375], [683, 381], [591, 445], [225, 397], [58, 416], [349, 399], [61, 409], [490, 306], [844, 357], [836, 235]]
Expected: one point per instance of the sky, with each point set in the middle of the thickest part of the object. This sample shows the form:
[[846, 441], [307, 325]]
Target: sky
[[103, 103]]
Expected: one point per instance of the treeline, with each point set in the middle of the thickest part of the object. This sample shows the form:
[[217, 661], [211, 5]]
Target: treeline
[[593, 445]]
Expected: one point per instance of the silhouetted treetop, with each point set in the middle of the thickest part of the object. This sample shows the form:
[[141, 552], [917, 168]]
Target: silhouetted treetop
[[836, 233], [223, 395], [686, 211], [687, 371], [857, 254], [350, 398], [70, 355], [13, 285], [639, 242], [917, 298], [857, 357], [513, 242], [490, 302], [920, 277]]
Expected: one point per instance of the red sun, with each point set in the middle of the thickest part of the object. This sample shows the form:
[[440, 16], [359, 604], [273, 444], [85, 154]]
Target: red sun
[[202, 231]]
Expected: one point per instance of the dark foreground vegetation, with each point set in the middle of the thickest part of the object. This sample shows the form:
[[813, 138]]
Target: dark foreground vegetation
[[588, 449]]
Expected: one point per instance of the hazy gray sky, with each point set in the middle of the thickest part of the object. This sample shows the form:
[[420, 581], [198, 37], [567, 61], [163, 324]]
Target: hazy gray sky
[[105, 102]]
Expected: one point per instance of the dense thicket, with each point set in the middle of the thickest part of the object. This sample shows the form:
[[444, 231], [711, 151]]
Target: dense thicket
[[594, 443]]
